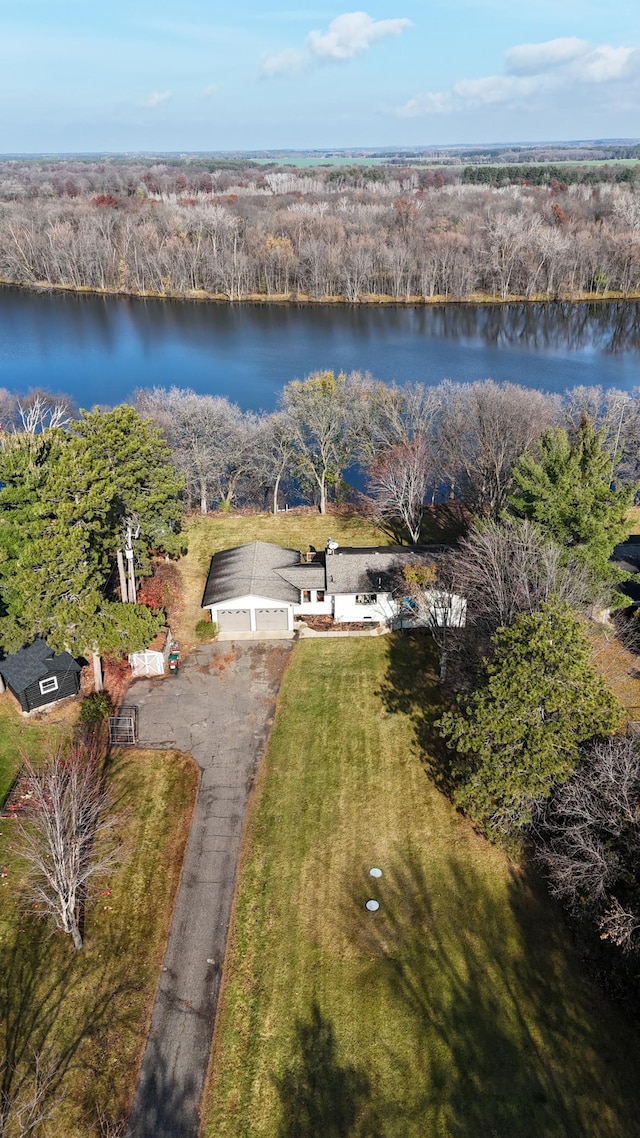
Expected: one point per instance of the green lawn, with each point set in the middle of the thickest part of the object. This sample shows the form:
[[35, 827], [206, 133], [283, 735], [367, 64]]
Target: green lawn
[[19, 735], [460, 1009], [87, 1013]]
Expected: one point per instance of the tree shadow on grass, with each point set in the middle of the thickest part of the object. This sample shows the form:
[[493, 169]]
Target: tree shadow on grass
[[319, 1098], [54, 1001], [500, 1035], [411, 687]]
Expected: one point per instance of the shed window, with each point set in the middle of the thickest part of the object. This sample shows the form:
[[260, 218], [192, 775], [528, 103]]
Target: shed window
[[306, 596], [366, 598], [319, 594], [48, 685]]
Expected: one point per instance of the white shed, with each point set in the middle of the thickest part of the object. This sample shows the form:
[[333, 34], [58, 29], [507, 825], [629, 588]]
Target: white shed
[[152, 661]]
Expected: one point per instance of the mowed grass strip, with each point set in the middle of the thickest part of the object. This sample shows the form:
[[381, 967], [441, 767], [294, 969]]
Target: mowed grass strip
[[459, 1008], [88, 1012]]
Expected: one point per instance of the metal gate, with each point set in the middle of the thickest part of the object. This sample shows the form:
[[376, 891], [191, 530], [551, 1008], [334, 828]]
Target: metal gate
[[123, 727]]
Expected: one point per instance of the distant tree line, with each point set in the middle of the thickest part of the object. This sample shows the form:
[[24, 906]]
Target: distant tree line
[[349, 233]]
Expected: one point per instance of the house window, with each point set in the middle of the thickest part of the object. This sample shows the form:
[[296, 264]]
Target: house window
[[319, 594], [306, 596], [366, 598], [48, 685]]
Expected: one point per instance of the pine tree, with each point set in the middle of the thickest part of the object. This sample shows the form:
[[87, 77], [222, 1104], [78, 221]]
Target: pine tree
[[519, 734], [568, 492], [66, 499]]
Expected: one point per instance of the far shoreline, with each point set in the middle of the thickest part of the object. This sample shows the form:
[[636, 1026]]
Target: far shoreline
[[301, 300]]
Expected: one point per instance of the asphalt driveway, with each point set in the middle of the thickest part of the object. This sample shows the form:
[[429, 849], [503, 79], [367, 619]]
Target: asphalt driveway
[[219, 708]]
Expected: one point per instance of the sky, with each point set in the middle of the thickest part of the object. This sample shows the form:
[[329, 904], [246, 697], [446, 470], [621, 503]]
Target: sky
[[200, 75]]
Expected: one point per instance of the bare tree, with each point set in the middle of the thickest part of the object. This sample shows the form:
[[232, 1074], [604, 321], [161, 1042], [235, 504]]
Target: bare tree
[[398, 483], [7, 411], [68, 837], [483, 429], [39, 411], [504, 570], [428, 589], [275, 450], [29, 1097], [589, 839], [620, 925], [319, 419]]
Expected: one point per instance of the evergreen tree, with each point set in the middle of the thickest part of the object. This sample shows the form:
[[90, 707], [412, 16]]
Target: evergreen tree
[[568, 492], [126, 460], [519, 734], [66, 499]]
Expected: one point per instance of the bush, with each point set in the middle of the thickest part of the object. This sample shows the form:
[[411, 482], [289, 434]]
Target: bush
[[206, 630], [95, 707]]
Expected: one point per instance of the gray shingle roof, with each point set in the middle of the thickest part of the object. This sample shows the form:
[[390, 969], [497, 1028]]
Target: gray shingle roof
[[34, 662], [270, 571], [309, 576], [370, 569], [249, 569]]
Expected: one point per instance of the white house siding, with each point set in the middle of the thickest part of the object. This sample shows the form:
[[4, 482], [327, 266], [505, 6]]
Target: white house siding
[[346, 609], [314, 607], [252, 603]]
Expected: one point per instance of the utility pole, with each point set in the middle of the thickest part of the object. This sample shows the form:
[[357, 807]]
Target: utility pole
[[131, 536], [124, 596]]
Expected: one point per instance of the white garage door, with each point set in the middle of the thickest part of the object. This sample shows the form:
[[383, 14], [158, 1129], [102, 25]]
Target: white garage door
[[234, 620], [271, 620]]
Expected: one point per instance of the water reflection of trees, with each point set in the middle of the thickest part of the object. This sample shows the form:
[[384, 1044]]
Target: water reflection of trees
[[613, 327]]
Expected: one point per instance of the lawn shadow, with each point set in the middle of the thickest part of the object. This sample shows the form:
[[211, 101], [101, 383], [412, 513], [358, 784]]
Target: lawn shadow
[[319, 1098], [53, 1001], [505, 1037], [411, 687]]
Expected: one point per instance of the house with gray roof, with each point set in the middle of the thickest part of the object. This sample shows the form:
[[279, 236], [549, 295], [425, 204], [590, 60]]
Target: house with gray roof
[[36, 676], [262, 587]]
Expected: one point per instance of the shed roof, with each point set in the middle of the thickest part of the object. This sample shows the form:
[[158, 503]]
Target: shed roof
[[251, 569], [34, 662]]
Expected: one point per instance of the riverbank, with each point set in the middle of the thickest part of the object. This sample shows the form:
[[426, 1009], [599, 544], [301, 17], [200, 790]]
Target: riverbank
[[302, 299]]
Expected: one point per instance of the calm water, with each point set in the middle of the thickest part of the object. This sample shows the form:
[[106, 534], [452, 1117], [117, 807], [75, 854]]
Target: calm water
[[98, 350]]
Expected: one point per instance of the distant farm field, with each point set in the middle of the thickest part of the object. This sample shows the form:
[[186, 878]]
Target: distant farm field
[[459, 1009]]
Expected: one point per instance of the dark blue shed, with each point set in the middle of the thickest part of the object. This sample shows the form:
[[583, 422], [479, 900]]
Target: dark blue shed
[[37, 677]]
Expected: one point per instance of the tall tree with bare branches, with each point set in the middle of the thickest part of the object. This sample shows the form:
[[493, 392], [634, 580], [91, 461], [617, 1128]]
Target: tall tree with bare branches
[[68, 837]]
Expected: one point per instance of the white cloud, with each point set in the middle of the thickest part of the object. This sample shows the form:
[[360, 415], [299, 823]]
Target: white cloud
[[556, 69], [351, 34], [607, 63], [212, 89], [291, 61], [532, 58], [156, 98], [348, 35]]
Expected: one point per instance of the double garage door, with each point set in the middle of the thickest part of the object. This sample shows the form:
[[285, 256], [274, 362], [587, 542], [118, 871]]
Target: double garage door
[[239, 620]]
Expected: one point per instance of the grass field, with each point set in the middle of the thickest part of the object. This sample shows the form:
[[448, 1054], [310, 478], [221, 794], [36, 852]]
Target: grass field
[[460, 1009], [18, 735], [87, 1013]]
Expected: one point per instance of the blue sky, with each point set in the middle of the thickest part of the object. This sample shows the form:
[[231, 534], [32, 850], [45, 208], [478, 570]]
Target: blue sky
[[81, 75]]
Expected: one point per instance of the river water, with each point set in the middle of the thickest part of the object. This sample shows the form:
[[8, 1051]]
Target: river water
[[99, 349]]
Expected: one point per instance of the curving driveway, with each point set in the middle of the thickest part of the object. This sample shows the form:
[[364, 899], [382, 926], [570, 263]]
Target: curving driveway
[[219, 708]]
